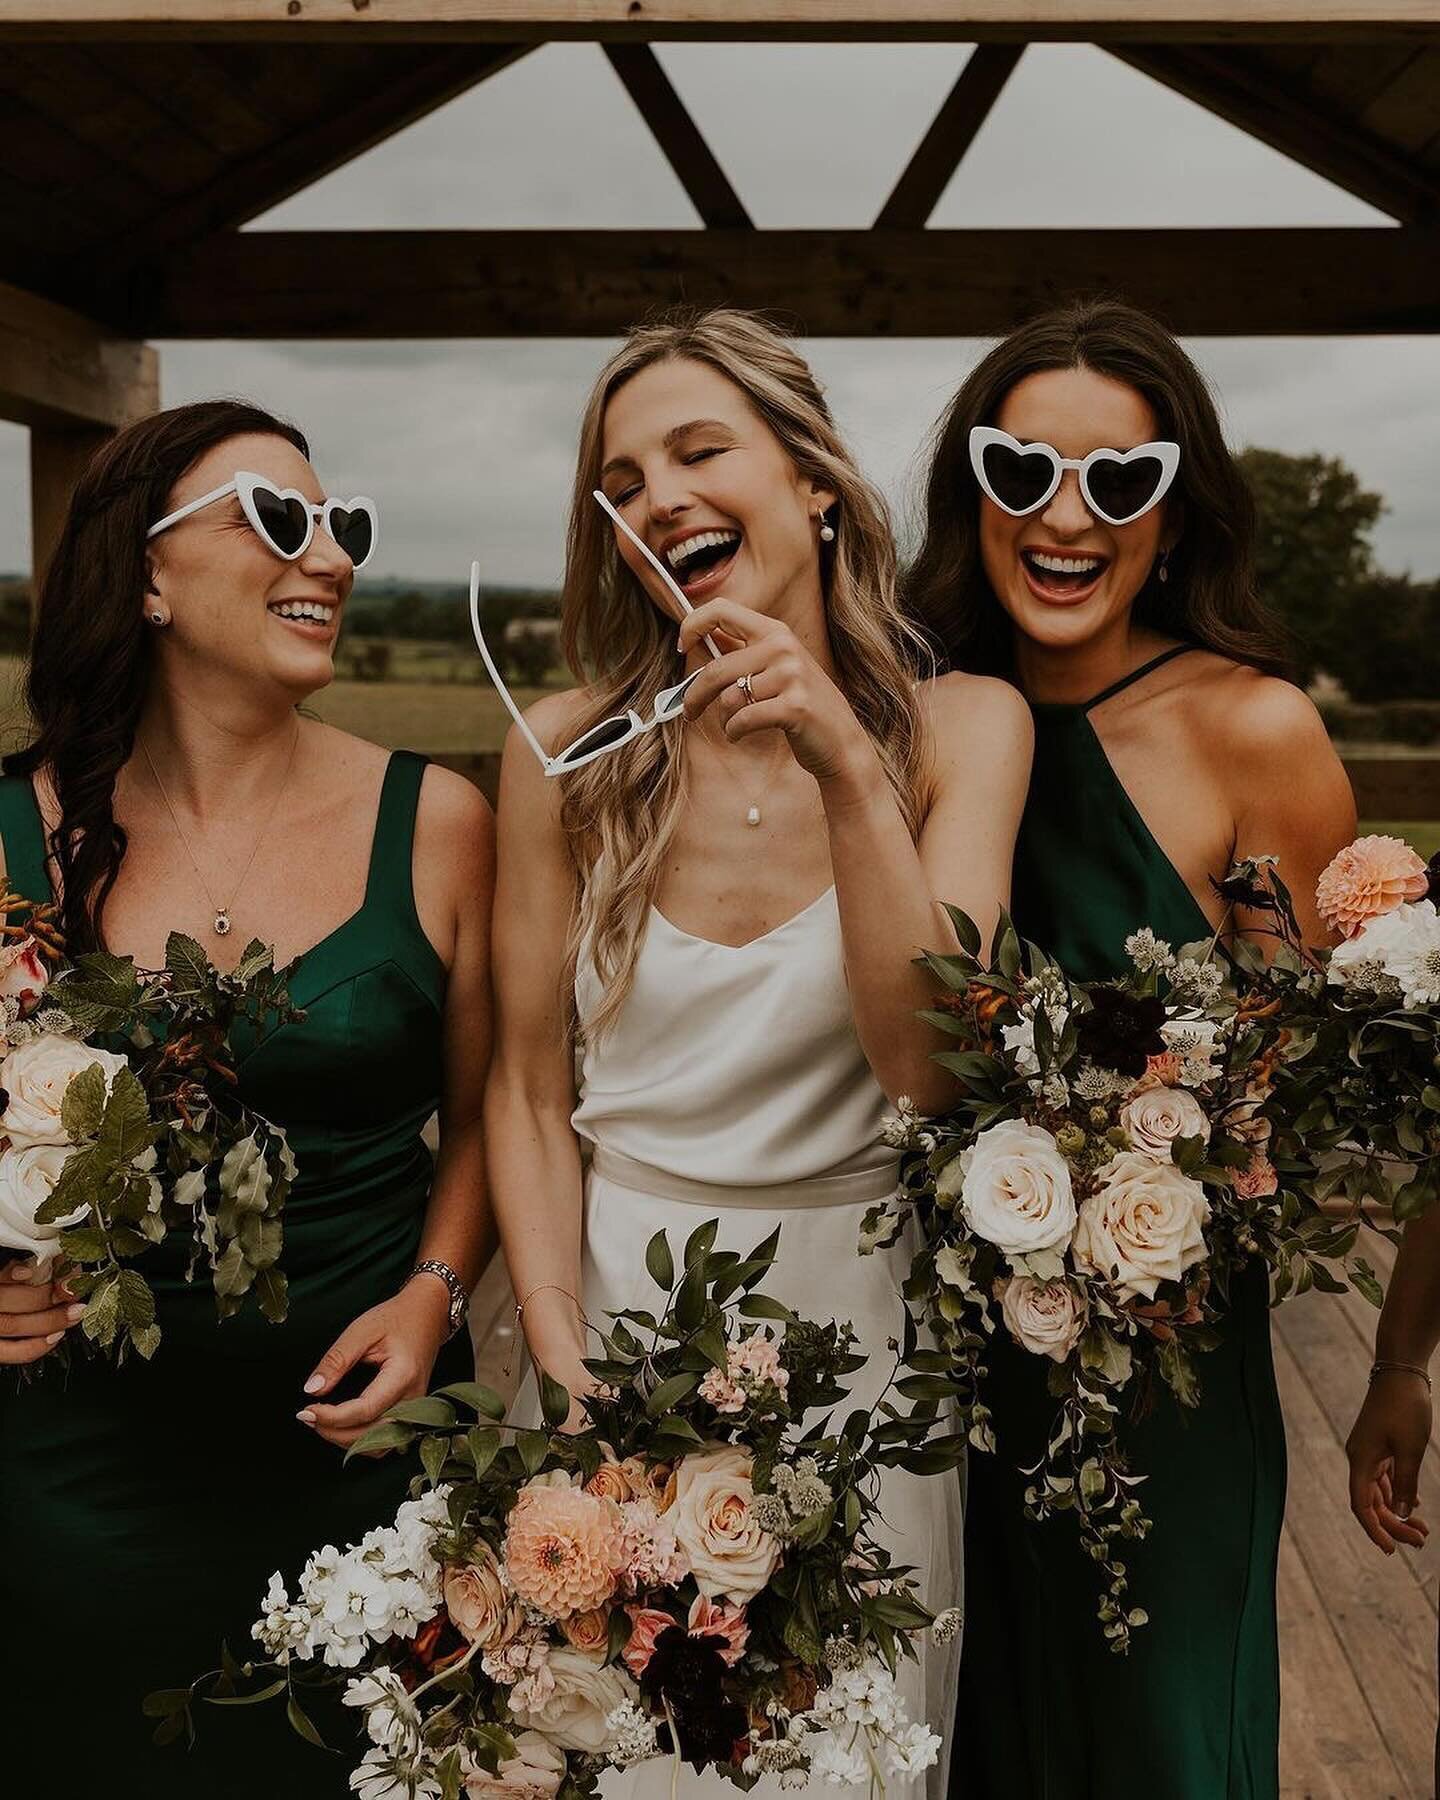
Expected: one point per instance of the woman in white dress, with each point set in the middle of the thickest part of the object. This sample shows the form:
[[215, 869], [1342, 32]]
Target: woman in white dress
[[735, 897]]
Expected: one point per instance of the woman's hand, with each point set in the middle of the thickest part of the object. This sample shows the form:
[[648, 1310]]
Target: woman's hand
[[788, 692], [402, 1338], [34, 1315], [1385, 1448]]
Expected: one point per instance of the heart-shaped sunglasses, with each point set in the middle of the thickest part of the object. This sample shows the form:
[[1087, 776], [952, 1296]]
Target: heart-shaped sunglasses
[[284, 520], [1118, 485]]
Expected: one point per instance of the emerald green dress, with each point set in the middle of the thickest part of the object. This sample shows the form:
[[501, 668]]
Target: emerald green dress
[[1046, 1710], [142, 1510]]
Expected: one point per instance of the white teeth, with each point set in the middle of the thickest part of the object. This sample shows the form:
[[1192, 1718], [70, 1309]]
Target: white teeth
[[702, 540], [305, 609], [1065, 565]]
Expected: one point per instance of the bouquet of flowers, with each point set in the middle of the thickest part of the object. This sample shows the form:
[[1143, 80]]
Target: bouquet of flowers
[[120, 1125], [1117, 1153], [691, 1574]]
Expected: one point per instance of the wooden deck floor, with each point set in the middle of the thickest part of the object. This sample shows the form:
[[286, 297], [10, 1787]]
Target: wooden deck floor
[[1357, 1629]]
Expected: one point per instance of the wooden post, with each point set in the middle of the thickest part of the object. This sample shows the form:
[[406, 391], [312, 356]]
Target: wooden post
[[73, 383]]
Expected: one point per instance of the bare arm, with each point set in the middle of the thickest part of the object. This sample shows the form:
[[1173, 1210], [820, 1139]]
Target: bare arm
[[534, 1156], [888, 887]]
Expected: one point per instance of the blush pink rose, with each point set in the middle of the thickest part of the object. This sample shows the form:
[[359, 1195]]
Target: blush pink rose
[[1257, 1179], [1370, 877], [707, 1619]]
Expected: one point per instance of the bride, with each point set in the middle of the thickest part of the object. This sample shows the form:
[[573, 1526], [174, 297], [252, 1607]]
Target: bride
[[735, 896]]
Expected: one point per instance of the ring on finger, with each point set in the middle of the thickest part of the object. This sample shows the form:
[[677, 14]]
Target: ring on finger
[[743, 682]]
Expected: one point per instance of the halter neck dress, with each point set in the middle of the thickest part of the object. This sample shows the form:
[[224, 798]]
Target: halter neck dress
[[1046, 1710], [733, 1086], [143, 1509]]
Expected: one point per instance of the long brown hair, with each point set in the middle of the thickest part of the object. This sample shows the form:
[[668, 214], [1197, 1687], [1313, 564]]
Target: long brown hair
[[620, 812], [1209, 597], [90, 658]]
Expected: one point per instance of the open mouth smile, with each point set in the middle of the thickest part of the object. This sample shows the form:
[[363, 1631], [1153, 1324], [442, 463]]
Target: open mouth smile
[[1063, 577], [314, 617], [701, 561]]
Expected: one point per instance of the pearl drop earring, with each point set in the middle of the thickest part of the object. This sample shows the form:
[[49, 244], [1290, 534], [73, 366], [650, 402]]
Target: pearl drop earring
[[827, 530], [1164, 571]]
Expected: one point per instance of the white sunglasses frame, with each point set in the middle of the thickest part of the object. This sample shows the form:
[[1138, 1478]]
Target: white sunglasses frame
[[664, 707], [243, 485], [1165, 452]]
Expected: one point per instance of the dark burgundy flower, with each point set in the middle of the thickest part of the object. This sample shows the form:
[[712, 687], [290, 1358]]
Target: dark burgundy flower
[[1432, 869], [1121, 1032], [687, 1674]]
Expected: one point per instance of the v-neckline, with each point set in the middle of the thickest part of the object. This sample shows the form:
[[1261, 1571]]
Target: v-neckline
[[762, 938]]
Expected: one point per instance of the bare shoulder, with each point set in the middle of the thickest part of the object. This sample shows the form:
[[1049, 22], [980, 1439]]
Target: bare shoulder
[[552, 716], [453, 807], [976, 715], [1247, 712]]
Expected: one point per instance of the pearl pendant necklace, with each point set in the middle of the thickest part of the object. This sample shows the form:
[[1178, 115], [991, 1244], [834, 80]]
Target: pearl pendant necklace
[[753, 816]]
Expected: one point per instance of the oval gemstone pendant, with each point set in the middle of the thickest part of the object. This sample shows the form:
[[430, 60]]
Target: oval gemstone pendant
[[221, 923], [753, 816]]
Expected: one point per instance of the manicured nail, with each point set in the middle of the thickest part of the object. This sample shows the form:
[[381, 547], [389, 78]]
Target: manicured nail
[[53, 1339], [74, 1314], [314, 1384], [307, 1417], [1402, 1509]]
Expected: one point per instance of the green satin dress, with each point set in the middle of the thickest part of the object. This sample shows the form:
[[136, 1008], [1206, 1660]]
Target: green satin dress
[[142, 1510], [1046, 1710]]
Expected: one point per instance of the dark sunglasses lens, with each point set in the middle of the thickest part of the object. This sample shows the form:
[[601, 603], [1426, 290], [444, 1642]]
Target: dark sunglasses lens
[[600, 737], [674, 701], [1122, 490], [283, 519], [1019, 479], [354, 532]]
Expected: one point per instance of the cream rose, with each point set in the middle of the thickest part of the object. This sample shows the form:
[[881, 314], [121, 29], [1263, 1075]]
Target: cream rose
[[1142, 1226], [585, 1693], [1044, 1317], [476, 1600], [536, 1768], [715, 1526], [27, 1180], [23, 974], [35, 1077], [1015, 1188], [1154, 1119]]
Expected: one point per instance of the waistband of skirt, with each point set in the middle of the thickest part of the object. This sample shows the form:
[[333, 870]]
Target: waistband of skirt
[[854, 1187]]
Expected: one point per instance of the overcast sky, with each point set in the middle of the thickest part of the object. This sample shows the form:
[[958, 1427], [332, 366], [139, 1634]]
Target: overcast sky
[[468, 446]]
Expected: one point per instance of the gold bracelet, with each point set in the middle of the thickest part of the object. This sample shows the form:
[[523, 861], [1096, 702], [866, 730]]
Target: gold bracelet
[[553, 1287], [1381, 1365]]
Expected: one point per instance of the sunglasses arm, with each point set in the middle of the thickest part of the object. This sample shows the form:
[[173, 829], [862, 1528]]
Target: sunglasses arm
[[494, 674], [192, 506], [656, 564]]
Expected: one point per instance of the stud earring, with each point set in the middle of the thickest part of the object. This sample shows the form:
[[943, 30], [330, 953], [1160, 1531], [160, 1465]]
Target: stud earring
[[157, 618]]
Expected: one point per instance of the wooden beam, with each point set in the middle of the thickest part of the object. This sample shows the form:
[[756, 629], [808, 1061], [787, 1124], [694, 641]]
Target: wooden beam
[[253, 184], [678, 136], [960, 21], [967, 106], [57, 461], [62, 372], [1340, 149], [435, 284]]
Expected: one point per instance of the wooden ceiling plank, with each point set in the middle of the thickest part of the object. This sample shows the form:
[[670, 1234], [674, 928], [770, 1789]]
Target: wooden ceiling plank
[[1406, 112], [955, 127], [1350, 76], [1341, 151], [60, 369], [195, 86], [396, 284], [85, 189], [242, 190], [679, 137], [640, 20]]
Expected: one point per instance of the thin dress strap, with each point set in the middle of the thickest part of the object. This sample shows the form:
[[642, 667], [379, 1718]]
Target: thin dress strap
[[390, 884], [22, 831], [1135, 675]]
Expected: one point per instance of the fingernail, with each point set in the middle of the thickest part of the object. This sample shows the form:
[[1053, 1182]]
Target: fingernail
[[314, 1384], [74, 1314], [307, 1417], [54, 1338], [1402, 1509]]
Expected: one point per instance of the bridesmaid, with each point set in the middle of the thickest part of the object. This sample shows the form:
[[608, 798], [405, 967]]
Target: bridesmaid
[[1118, 596], [174, 783], [738, 894]]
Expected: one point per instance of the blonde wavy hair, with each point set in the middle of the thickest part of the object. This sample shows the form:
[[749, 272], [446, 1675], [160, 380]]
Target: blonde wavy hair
[[620, 812]]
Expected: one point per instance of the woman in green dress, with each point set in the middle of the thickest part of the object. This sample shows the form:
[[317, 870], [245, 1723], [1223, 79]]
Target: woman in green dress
[[1116, 590], [173, 783]]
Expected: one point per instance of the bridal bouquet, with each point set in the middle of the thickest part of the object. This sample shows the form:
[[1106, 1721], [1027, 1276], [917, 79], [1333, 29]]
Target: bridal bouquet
[[693, 1574], [121, 1126], [1117, 1153]]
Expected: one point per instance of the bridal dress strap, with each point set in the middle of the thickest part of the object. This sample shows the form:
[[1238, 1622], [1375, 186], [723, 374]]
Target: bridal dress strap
[[855, 1187]]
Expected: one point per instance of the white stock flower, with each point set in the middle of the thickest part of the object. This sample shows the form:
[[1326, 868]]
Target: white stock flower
[[36, 1076], [1143, 1225], [1015, 1188], [27, 1180]]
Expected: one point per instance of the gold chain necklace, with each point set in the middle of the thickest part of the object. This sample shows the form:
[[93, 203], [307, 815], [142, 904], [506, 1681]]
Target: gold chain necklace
[[220, 924]]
